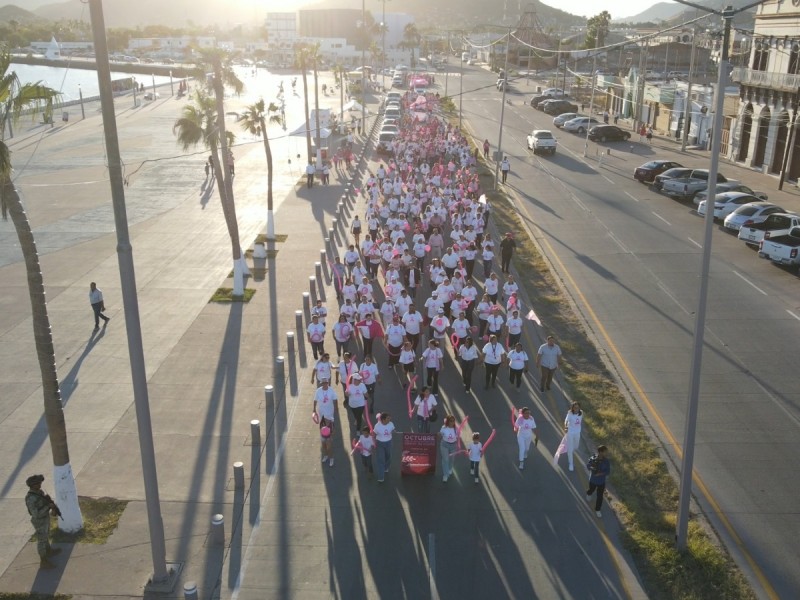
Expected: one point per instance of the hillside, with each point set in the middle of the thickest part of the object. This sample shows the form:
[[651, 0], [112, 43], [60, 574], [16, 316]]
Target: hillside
[[11, 12], [660, 11]]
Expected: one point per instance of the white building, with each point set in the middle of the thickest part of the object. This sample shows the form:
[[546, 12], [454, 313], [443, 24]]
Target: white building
[[55, 49], [173, 46], [765, 136]]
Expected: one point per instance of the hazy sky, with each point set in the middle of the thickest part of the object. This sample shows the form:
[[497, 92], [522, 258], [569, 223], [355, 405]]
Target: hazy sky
[[618, 9]]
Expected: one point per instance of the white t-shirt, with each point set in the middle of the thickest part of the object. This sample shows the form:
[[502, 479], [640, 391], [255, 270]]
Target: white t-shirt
[[468, 352], [516, 360], [316, 332], [383, 433], [366, 444], [424, 406], [342, 331], [448, 434], [431, 357], [395, 335], [356, 395], [323, 369], [412, 322], [514, 325], [407, 357], [475, 449], [491, 286], [325, 402], [573, 423], [525, 426], [495, 323], [369, 373], [493, 353], [549, 355], [461, 327], [440, 323]]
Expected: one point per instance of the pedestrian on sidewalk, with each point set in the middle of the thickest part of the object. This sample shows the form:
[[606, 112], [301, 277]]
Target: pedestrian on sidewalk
[[517, 364], [325, 411], [548, 359], [383, 439], [98, 306], [493, 355], [616, 117], [507, 247], [600, 468], [316, 336], [642, 133], [326, 174], [369, 371], [231, 165], [572, 427], [310, 170], [475, 451], [650, 135], [467, 355], [486, 149], [447, 445], [40, 507], [605, 117], [525, 428], [356, 399], [342, 334], [505, 168]]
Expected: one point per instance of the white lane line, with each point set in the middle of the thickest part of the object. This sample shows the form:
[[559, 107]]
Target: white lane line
[[618, 242], [432, 566], [794, 315], [750, 283], [607, 179], [658, 216], [698, 244], [631, 196]]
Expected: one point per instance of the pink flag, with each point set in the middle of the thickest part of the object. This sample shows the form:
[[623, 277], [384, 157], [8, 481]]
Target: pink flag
[[532, 316], [562, 448]]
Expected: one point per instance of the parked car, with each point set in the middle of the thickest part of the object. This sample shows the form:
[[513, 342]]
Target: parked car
[[556, 107], [579, 124], [391, 113], [777, 224], [384, 145], [542, 140], [673, 173], [386, 128], [725, 203], [536, 99], [649, 170], [783, 250], [751, 213], [608, 133], [554, 92], [728, 186], [564, 117], [684, 188]]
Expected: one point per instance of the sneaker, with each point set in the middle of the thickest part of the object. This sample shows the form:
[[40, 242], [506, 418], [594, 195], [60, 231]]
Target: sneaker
[[571, 468], [380, 480], [324, 458], [472, 471], [521, 466], [598, 513], [477, 480], [330, 462], [444, 479], [588, 496]]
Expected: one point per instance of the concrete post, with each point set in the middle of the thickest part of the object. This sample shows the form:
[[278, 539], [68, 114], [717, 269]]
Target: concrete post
[[332, 241], [298, 320], [238, 475], [255, 433], [290, 343], [269, 403], [280, 377], [190, 590], [218, 530], [306, 307], [318, 271], [335, 230], [312, 287]]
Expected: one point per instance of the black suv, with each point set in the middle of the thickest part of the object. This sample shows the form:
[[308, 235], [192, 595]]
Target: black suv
[[559, 107], [608, 133], [536, 99]]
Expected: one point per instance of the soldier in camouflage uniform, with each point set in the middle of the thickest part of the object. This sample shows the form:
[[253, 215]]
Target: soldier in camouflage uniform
[[41, 506]]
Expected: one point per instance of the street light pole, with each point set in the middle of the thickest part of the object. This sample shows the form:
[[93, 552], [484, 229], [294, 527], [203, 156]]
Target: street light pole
[[461, 91], [502, 114], [591, 104], [687, 109], [363, 68]]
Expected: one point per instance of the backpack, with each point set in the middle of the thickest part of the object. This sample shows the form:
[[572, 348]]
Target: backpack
[[593, 463]]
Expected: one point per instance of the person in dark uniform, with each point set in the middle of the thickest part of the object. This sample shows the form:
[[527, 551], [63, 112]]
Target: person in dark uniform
[[507, 247], [40, 507]]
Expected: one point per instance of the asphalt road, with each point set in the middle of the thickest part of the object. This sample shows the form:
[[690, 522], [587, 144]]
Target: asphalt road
[[630, 259]]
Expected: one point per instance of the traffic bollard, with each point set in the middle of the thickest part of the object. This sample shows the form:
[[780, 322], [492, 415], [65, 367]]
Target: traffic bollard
[[238, 475], [218, 529], [307, 306], [290, 343], [190, 590], [255, 433], [298, 320], [280, 377], [312, 288]]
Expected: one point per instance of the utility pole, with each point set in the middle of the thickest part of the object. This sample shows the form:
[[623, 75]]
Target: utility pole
[[640, 85], [461, 92], [591, 102], [447, 72], [364, 68], [502, 115], [161, 577], [789, 153], [687, 463], [687, 110]]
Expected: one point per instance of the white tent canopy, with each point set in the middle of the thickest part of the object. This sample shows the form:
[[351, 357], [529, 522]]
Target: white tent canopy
[[324, 124], [353, 105]]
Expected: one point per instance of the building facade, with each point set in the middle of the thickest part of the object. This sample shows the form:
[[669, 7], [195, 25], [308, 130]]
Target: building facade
[[765, 132]]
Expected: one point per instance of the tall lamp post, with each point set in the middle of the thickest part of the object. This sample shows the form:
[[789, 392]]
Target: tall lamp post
[[461, 91], [364, 68], [687, 464], [502, 114]]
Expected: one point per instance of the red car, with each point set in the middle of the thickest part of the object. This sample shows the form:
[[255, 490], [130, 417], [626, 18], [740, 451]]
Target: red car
[[648, 171]]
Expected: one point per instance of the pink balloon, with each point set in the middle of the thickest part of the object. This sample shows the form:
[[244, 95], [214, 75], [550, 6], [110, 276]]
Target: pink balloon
[[486, 338], [474, 329], [428, 248], [357, 190], [325, 432], [315, 418]]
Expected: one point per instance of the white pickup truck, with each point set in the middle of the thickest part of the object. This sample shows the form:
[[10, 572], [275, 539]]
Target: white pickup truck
[[684, 188], [783, 249], [542, 140], [775, 225]]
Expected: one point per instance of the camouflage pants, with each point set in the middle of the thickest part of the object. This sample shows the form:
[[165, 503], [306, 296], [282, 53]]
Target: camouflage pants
[[42, 527]]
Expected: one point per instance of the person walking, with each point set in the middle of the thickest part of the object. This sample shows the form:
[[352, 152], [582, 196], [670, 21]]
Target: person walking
[[505, 168], [548, 359], [357, 399], [493, 356], [355, 229], [40, 507], [525, 428], [642, 133], [383, 440], [310, 170], [475, 452], [426, 409], [325, 412], [605, 117], [517, 364], [366, 446], [507, 247], [572, 427], [467, 355], [432, 359], [447, 446], [326, 174], [98, 306], [316, 336], [600, 468], [342, 334], [649, 135], [486, 149]]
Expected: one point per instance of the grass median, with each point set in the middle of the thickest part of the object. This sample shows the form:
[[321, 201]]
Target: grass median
[[646, 493]]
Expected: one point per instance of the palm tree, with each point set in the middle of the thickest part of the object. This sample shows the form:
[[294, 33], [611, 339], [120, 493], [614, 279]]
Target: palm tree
[[255, 119], [14, 99], [314, 56], [411, 38], [219, 63], [302, 61], [199, 124]]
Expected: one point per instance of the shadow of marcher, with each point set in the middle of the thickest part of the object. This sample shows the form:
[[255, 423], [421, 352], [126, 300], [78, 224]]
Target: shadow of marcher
[[237, 523], [207, 190], [46, 582]]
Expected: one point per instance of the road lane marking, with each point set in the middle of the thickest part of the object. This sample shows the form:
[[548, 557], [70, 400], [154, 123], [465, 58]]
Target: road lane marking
[[606, 178], [698, 244], [750, 283], [618, 242], [716, 509], [794, 315], [631, 196], [658, 216], [432, 566]]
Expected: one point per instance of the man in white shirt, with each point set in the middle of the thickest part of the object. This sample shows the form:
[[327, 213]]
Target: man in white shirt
[[548, 359], [325, 409], [403, 302], [439, 324], [493, 356], [518, 364], [310, 170], [394, 338], [96, 300], [320, 311], [461, 329], [467, 355], [432, 359], [316, 336], [514, 327], [412, 321]]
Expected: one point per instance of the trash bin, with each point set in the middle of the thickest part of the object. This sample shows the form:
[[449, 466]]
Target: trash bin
[[538, 89], [65, 116]]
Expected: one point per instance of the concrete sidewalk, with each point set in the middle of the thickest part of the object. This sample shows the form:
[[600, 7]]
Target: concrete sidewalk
[[297, 529]]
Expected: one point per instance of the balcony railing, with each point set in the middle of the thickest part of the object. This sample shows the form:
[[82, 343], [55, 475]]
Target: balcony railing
[[774, 81]]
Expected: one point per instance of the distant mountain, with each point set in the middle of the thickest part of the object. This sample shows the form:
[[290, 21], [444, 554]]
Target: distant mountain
[[660, 11], [12, 12], [28, 4]]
